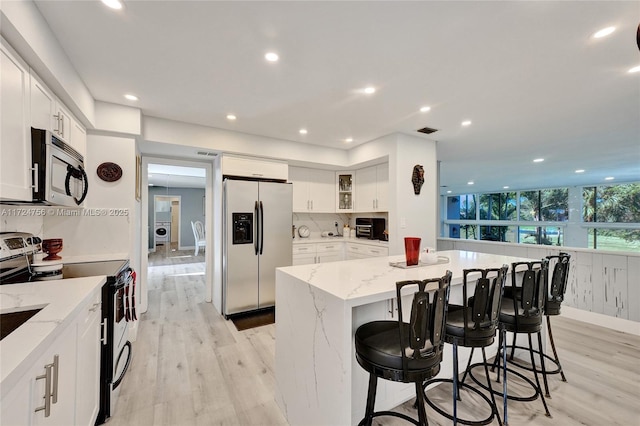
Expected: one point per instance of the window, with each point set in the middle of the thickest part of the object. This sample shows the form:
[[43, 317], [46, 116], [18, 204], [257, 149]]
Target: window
[[500, 206], [615, 206]]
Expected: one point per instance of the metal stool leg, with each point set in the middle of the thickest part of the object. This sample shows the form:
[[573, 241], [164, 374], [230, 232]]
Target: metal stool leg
[[553, 347], [535, 373]]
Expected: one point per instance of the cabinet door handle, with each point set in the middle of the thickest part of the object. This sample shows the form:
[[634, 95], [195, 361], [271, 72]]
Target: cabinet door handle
[[311, 204], [103, 339], [36, 173], [62, 124], [50, 386], [391, 307], [56, 371]]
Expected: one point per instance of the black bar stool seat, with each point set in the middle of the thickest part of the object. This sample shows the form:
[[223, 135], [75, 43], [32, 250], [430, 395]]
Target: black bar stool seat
[[405, 352]]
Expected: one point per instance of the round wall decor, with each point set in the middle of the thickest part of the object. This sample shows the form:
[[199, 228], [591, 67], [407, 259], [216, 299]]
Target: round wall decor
[[109, 172]]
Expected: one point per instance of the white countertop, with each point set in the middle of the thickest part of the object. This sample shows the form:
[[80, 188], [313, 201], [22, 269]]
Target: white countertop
[[85, 257], [363, 281], [62, 301]]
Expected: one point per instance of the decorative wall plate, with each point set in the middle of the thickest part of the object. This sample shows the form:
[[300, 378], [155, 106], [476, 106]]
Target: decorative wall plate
[[109, 172]]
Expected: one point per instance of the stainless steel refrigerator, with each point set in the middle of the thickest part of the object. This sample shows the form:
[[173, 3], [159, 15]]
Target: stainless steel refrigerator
[[257, 239]]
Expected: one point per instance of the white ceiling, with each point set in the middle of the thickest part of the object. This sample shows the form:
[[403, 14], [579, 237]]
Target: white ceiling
[[527, 74]]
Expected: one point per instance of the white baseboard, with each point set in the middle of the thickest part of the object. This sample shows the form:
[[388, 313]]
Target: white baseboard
[[619, 324]]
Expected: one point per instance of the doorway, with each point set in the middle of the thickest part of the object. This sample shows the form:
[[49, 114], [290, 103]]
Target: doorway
[[175, 193]]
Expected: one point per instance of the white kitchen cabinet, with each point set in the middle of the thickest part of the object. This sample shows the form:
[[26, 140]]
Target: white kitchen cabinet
[[14, 407], [372, 188], [355, 250], [304, 254], [72, 391], [254, 168], [15, 136], [309, 253], [47, 112], [313, 190], [345, 192], [78, 137], [88, 361], [329, 252], [57, 370]]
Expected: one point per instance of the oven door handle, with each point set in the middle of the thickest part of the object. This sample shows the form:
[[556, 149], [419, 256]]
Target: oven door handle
[[117, 382]]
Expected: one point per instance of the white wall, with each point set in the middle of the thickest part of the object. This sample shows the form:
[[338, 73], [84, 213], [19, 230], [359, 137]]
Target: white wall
[[108, 223]]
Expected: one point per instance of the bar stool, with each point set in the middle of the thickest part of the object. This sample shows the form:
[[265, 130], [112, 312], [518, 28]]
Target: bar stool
[[406, 352], [523, 315], [474, 325], [554, 296]]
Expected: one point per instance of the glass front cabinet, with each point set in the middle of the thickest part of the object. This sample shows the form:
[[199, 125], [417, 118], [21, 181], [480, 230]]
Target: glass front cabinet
[[345, 191]]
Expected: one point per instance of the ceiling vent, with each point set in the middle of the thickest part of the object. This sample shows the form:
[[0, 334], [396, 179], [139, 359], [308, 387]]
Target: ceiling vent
[[206, 153], [427, 130]]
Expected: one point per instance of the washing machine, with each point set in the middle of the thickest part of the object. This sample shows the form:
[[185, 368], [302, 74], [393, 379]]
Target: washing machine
[[163, 232]]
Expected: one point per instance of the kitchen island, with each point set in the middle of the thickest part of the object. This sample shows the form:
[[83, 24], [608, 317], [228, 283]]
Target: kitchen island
[[318, 309]]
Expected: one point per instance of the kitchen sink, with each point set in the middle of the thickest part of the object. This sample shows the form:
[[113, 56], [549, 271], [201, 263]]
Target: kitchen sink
[[10, 321]]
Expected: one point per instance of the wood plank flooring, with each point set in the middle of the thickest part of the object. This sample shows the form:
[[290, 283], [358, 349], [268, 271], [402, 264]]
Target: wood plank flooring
[[192, 367]]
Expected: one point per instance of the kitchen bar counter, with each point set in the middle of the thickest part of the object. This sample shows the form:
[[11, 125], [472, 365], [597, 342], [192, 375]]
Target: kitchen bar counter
[[318, 309], [61, 301]]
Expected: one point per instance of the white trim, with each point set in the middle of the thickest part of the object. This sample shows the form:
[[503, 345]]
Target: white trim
[[614, 323]]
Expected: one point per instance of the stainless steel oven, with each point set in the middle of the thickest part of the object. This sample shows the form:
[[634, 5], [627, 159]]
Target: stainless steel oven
[[118, 309]]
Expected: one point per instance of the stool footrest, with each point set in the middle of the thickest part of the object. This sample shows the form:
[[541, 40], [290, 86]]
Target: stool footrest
[[439, 410]]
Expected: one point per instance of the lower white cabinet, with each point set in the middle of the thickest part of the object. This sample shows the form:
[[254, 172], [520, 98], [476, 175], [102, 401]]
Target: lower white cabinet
[[308, 253], [362, 251], [88, 361], [62, 387], [53, 382]]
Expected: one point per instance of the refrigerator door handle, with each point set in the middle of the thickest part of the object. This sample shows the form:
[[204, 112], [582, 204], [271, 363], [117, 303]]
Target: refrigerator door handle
[[261, 227], [255, 235]]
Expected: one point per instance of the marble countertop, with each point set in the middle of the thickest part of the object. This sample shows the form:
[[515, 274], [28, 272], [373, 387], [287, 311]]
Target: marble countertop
[[62, 301], [86, 257], [363, 281]]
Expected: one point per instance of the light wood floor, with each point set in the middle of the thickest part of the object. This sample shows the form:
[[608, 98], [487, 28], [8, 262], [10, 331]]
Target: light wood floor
[[191, 367]]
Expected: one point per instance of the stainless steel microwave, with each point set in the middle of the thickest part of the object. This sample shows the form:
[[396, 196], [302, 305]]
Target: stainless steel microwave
[[59, 177]]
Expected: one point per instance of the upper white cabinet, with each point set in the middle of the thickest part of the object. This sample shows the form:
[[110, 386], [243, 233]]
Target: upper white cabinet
[[254, 168], [313, 190], [15, 137], [345, 192], [372, 187], [47, 112]]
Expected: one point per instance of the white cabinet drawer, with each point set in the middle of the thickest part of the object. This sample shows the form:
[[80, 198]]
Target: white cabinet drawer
[[304, 249], [377, 251], [329, 247]]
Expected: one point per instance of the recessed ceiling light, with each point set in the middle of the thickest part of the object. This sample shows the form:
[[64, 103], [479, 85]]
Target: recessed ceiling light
[[303, 131], [580, 171], [538, 160], [604, 32], [505, 187], [150, 184], [635, 69], [272, 57], [131, 97], [231, 117], [369, 90], [348, 140], [466, 123], [609, 178], [470, 182], [425, 109], [448, 192], [113, 4]]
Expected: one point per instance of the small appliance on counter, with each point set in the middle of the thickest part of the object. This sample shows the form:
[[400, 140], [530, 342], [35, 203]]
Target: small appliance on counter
[[371, 228]]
